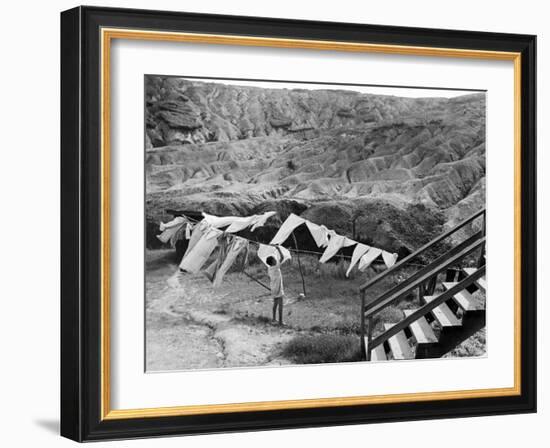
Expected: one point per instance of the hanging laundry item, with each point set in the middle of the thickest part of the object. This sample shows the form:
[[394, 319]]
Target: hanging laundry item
[[237, 223], [237, 246], [265, 251], [261, 219], [196, 235], [253, 221], [176, 222], [280, 253], [368, 258], [319, 233], [240, 224], [188, 229], [285, 254], [224, 243], [389, 258], [358, 252], [172, 235], [336, 242], [244, 257], [220, 221], [195, 258], [178, 235], [286, 229], [172, 231]]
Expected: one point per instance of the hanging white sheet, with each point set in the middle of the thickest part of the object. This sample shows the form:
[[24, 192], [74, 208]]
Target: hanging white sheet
[[237, 223], [280, 253], [389, 258], [286, 229], [368, 258], [358, 252], [336, 242]]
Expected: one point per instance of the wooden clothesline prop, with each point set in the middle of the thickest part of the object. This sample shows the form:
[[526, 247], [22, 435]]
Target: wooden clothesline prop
[[255, 279], [299, 263]]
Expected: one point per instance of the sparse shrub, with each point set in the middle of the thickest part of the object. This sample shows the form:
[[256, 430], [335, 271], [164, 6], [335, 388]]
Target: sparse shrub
[[389, 315], [338, 270], [475, 345], [310, 264], [263, 319], [350, 327], [333, 269], [323, 349]]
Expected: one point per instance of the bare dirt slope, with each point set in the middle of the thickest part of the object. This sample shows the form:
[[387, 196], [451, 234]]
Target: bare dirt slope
[[191, 325], [186, 327]]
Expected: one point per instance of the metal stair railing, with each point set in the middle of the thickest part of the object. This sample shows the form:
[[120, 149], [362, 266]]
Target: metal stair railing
[[421, 312], [403, 262], [453, 260], [419, 278], [426, 269]]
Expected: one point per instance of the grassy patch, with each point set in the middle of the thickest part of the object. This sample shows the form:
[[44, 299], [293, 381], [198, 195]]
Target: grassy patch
[[335, 268], [322, 349], [389, 315]]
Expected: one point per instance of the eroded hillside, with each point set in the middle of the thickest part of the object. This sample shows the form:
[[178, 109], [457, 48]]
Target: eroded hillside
[[334, 154]]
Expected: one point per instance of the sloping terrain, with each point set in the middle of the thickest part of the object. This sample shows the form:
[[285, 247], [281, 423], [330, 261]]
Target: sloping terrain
[[401, 168]]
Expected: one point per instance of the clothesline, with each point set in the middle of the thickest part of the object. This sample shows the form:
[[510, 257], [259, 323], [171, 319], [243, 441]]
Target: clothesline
[[194, 221], [348, 257], [302, 251], [205, 236], [333, 243]]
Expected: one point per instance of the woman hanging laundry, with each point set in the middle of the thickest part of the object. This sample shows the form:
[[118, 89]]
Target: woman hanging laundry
[[276, 287]]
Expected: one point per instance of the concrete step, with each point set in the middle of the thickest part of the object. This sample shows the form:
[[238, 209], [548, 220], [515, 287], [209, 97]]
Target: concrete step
[[464, 299], [378, 353], [421, 330], [481, 282], [399, 345], [443, 314]]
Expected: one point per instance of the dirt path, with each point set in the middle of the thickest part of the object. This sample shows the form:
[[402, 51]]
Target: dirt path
[[185, 328]]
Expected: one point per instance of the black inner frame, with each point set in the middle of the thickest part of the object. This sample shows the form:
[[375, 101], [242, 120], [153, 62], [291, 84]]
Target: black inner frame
[[81, 224]]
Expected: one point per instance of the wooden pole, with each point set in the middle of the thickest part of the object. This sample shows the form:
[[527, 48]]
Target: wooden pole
[[362, 342], [256, 280], [481, 261], [245, 260], [299, 263], [369, 337]]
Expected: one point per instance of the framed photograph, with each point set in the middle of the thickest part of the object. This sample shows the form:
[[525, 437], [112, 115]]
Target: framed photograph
[[277, 224]]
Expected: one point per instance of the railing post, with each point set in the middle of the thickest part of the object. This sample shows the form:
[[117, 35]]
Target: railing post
[[425, 279], [362, 342], [369, 338], [483, 231], [416, 253]]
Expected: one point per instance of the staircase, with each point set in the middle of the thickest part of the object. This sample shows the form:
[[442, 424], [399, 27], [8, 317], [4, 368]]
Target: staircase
[[448, 304]]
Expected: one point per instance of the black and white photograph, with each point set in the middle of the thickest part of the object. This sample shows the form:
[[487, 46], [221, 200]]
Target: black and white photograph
[[271, 206], [273, 224]]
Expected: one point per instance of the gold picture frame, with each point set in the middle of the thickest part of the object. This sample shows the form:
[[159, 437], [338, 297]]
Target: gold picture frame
[[106, 32]]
